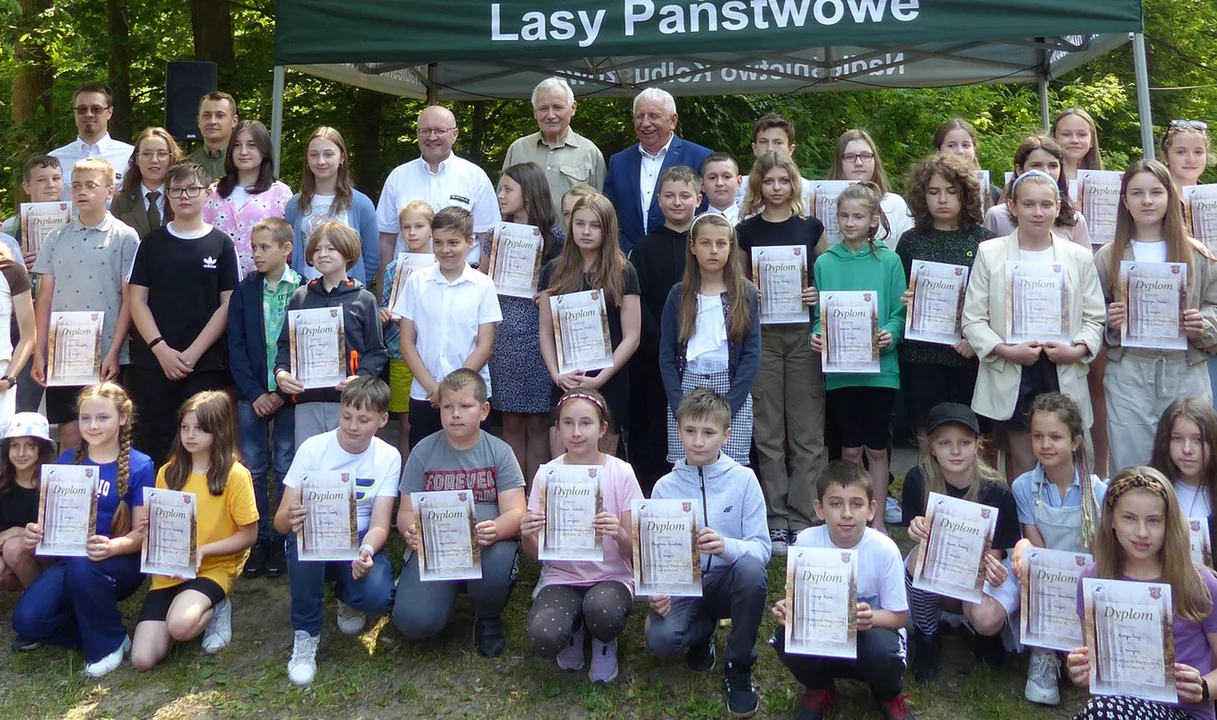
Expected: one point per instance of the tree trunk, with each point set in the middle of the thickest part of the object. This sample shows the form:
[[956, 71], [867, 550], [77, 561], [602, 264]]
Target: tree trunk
[[31, 86], [365, 143], [211, 22], [119, 69]]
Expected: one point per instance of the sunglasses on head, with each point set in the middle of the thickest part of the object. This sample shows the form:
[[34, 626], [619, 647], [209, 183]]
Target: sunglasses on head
[[1190, 125]]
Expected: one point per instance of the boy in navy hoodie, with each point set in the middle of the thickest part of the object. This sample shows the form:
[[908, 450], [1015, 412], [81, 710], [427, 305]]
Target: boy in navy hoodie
[[333, 249], [256, 315], [734, 544]]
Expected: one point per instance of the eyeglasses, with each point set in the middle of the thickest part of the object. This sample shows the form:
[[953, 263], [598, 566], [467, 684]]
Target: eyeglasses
[[434, 132], [90, 186], [91, 109], [191, 192], [154, 155], [855, 157], [1190, 125]]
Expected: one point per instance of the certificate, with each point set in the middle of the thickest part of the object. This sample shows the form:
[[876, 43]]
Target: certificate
[[780, 273], [515, 259], [571, 496], [171, 545], [950, 561], [822, 602], [1200, 210], [986, 198], [1155, 294], [74, 349], [581, 331], [39, 219], [1200, 541], [824, 194], [318, 346], [331, 529], [67, 509], [849, 330], [1037, 306], [407, 265], [935, 311], [1131, 639], [666, 559], [447, 536], [1099, 200], [1049, 599]]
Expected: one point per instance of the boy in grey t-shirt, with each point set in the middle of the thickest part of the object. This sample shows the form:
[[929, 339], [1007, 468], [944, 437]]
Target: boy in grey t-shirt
[[463, 457]]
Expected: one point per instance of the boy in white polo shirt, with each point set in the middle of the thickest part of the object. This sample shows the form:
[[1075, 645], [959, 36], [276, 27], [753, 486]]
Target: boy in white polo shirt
[[447, 320]]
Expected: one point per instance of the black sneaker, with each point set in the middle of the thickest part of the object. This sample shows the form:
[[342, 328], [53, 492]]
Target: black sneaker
[[255, 566], [23, 645], [779, 541], [989, 650], [742, 701], [925, 657], [276, 561], [491, 636], [701, 658]]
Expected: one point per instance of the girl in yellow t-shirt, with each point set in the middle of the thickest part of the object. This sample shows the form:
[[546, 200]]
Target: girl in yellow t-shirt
[[203, 462]]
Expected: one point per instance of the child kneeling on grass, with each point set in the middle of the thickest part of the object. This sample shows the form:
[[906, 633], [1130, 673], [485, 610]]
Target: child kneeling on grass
[[846, 504], [734, 543]]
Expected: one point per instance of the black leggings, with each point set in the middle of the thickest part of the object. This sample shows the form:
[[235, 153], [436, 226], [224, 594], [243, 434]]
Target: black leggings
[[559, 611]]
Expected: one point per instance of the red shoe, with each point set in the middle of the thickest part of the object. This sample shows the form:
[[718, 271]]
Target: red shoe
[[895, 709], [817, 704]]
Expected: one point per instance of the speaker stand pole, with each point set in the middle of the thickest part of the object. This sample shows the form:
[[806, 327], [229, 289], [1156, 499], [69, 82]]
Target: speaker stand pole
[[276, 115]]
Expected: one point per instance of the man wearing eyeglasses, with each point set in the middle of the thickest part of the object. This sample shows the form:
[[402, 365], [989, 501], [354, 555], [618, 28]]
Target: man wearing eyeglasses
[[440, 178], [93, 107]]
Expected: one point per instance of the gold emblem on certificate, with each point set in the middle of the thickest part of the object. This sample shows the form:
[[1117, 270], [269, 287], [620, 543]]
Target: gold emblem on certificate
[[780, 273], [950, 561], [570, 498], [1131, 639], [581, 331], [1155, 294], [515, 259], [67, 509], [331, 529], [935, 311], [849, 331], [822, 602], [824, 194], [1049, 599], [666, 559], [1200, 209], [1200, 541], [74, 349], [39, 219], [407, 265], [1099, 201], [1037, 303], [447, 536], [318, 346], [171, 545]]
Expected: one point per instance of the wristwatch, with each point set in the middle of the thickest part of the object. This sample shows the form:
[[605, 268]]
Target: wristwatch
[[12, 381], [1204, 688]]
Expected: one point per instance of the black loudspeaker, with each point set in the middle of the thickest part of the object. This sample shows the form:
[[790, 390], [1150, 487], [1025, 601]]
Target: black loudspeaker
[[185, 84]]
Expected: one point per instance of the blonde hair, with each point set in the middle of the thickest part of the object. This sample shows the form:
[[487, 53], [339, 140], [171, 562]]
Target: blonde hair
[[1172, 131], [754, 198], [120, 523], [871, 197], [342, 178], [97, 165], [1093, 160], [418, 207], [935, 482]]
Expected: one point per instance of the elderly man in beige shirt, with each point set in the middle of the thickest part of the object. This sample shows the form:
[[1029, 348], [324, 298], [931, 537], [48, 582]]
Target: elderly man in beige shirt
[[568, 158]]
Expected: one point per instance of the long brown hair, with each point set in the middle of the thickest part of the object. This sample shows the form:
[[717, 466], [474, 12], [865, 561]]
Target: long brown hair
[[1192, 599], [838, 163], [8, 471], [538, 203], [1093, 160], [940, 136], [342, 179], [739, 288], [982, 472], [132, 179], [1180, 246], [266, 171], [1066, 215], [955, 171], [1205, 418], [871, 197], [214, 413], [1067, 411], [120, 524], [608, 270], [754, 199]]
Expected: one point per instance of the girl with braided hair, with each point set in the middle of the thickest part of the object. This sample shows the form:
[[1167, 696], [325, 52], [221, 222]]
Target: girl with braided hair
[[74, 603], [1142, 536]]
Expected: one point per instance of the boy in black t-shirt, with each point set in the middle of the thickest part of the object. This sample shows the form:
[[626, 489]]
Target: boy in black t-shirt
[[183, 276]]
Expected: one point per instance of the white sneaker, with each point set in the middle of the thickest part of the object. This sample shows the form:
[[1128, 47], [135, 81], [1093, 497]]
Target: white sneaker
[[303, 664], [1042, 678], [892, 514], [109, 663], [350, 620], [219, 631]]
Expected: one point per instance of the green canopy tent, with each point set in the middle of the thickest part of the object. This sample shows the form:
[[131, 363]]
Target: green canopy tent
[[444, 50]]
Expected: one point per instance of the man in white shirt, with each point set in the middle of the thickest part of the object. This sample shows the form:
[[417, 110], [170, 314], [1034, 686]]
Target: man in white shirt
[[93, 107], [441, 179]]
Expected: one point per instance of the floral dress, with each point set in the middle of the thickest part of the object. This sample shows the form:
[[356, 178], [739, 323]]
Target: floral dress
[[238, 222]]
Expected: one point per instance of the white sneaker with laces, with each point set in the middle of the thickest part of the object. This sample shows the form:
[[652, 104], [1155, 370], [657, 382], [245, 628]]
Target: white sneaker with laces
[[219, 631], [303, 664], [109, 663], [1042, 678], [350, 620]]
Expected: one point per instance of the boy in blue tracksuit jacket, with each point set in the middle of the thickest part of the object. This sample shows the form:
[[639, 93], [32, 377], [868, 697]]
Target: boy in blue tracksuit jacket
[[734, 546], [256, 314]]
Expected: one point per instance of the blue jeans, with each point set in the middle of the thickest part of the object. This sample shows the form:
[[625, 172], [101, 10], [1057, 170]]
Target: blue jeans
[[264, 447], [371, 594]]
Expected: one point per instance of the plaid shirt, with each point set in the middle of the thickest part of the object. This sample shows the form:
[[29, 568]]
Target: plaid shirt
[[274, 314]]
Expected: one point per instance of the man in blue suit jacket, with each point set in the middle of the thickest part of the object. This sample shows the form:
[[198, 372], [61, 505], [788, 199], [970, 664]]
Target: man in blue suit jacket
[[634, 172]]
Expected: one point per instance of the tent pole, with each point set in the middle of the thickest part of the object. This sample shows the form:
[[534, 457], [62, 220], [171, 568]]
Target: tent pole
[[276, 115], [1042, 82], [1141, 68], [432, 88]]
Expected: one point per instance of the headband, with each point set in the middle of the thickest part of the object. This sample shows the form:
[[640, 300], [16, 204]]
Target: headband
[[1133, 482], [1035, 173], [577, 395], [703, 216]]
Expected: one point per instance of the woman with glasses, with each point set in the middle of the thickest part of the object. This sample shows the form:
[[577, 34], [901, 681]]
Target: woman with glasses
[[857, 158], [140, 202]]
